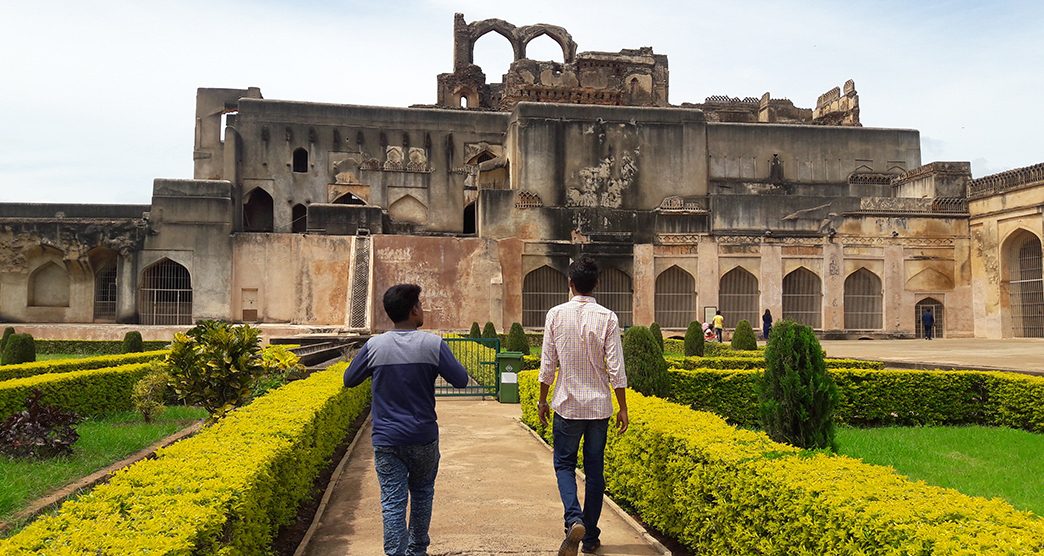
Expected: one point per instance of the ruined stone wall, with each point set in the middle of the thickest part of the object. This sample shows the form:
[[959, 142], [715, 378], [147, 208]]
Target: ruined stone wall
[[837, 107]]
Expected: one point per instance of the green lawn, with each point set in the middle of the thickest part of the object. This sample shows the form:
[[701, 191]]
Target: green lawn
[[102, 442], [981, 461]]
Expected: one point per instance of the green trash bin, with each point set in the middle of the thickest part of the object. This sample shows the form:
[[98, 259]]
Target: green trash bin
[[509, 363]]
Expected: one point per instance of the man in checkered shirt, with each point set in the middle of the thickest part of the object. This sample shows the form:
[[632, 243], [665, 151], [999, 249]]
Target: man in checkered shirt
[[582, 343]]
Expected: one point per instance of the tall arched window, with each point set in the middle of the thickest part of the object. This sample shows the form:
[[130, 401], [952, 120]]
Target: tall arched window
[[300, 160], [299, 219], [936, 307], [105, 293], [165, 295], [803, 298], [1025, 284], [675, 298], [257, 211], [49, 286], [738, 296], [470, 223], [614, 292], [542, 289], [864, 299]]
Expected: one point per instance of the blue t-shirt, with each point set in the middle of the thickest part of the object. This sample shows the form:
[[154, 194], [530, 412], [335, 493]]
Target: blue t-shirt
[[404, 365]]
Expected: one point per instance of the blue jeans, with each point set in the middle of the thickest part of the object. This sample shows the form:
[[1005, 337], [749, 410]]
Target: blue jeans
[[406, 473], [567, 434]]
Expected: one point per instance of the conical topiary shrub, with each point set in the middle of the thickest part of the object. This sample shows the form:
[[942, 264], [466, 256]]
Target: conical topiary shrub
[[657, 335], [646, 368], [132, 342], [516, 340], [475, 332], [797, 395], [489, 331], [694, 339], [7, 334], [743, 337], [19, 348]]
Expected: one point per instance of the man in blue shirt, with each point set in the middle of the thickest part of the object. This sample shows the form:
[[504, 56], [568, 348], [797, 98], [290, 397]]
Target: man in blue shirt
[[404, 363]]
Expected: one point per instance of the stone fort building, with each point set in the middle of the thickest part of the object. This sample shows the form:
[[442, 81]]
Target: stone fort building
[[305, 213]]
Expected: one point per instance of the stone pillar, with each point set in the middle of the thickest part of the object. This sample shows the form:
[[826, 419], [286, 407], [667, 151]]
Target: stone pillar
[[708, 276], [894, 282], [644, 285], [771, 282], [833, 287], [127, 288]]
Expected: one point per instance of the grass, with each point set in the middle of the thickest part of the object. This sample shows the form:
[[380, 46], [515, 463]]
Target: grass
[[992, 462], [102, 442]]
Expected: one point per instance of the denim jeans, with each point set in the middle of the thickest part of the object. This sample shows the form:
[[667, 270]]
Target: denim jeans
[[567, 434], [407, 473]]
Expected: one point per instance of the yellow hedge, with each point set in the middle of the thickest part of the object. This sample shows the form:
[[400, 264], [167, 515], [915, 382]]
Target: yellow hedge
[[22, 370], [85, 393], [722, 490], [226, 490]]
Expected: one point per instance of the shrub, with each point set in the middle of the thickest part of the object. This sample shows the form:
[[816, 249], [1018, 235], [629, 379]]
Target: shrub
[[797, 395], [215, 365], [694, 339], [39, 431], [92, 347], [517, 340], [87, 393], [734, 363], [743, 338], [646, 368], [279, 365], [489, 331], [475, 332], [19, 348], [657, 335], [132, 342], [23, 370], [150, 392], [7, 334]]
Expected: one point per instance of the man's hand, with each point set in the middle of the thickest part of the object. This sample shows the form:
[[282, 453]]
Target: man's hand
[[622, 420], [544, 411]]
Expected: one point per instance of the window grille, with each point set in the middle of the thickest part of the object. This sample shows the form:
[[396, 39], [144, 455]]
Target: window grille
[[542, 289], [675, 298], [937, 311], [738, 296], [1026, 290], [614, 293], [165, 296], [864, 300], [803, 298], [105, 293]]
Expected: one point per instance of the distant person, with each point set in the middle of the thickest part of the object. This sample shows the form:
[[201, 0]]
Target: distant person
[[404, 363], [719, 325], [582, 342], [766, 324], [928, 322]]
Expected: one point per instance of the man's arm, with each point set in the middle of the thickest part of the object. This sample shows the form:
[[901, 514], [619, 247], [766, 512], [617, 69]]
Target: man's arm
[[614, 365], [548, 364], [359, 370], [450, 368], [622, 418]]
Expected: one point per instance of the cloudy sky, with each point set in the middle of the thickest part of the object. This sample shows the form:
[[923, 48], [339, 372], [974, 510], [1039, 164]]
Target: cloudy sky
[[97, 98]]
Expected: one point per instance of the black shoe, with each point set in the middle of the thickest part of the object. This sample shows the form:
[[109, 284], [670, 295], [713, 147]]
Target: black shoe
[[571, 542], [590, 547]]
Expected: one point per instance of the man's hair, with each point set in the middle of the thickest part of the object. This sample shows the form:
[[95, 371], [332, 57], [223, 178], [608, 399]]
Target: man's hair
[[400, 299], [584, 274]]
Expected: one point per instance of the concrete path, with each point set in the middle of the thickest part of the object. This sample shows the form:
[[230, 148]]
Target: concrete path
[[1023, 354], [495, 494]]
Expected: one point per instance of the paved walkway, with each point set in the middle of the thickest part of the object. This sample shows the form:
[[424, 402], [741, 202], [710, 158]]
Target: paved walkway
[[495, 494], [1024, 354]]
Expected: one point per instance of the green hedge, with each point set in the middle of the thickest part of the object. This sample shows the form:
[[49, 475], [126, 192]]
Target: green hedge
[[722, 490], [869, 397], [226, 490], [92, 347], [8, 372], [86, 393], [732, 363], [476, 354]]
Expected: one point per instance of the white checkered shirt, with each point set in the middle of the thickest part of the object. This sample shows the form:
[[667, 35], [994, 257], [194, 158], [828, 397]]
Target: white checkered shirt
[[582, 341]]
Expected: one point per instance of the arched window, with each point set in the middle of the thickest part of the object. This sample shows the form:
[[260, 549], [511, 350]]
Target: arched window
[[300, 160], [936, 307], [299, 219], [738, 296], [494, 56], [614, 292], [408, 209], [257, 211], [1025, 285], [803, 298], [675, 298], [349, 199], [470, 223], [864, 299], [49, 286], [105, 293], [165, 295], [542, 289], [463, 101]]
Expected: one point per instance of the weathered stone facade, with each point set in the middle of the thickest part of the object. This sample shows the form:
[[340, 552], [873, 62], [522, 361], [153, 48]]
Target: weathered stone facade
[[304, 213]]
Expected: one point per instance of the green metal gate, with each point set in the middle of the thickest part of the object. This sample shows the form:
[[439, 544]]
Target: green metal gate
[[479, 357]]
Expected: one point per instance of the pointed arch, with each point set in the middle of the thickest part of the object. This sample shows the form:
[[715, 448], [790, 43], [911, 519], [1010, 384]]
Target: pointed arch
[[542, 289], [408, 209], [803, 297], [258, 210], [864, 301], [675, 298], [349, 198], [614, 292], [49, 286], [494, 60], [1022, 280], [300, 160], [548, 48], [738, 296], [929, 304], [165, 294]]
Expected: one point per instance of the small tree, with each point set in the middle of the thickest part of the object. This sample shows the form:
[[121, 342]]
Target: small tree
[[150, 391], [657, 335], [646, 368], [132, 342], [743, 337], [797, 395], [215, 365], [694, 339], [38, 431], [475, 332], [489, 331], [7, 334], [19, 348], [516, 340]]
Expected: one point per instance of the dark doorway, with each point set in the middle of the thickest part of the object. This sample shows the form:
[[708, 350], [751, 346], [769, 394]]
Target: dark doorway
[[257, 211], [300, 161], [299, 219], [469, 219]]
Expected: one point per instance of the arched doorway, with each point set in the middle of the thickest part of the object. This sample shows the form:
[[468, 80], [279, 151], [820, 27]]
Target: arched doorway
[[614, 292], [675, 298], [738, 296], [105, 292], [936, 307], [257, 211], [470, 223], [803, 298], [49, 286], [542, 289], [299, 219], [165, 295], [1024, 281], [864, 301]]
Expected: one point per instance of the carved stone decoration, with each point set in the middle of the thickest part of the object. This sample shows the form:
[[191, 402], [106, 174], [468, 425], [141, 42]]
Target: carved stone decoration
[[418, 160], [370, 164], [679, 203], [601, 186], [527, 199], [343, 171], [894, 204], [393, 158], [677, 239], [834, 268]]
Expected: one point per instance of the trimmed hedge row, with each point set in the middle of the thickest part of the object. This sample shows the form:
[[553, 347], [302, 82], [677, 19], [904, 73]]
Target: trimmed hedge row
[[92, 347], [8, 372], [869, 397], [86, 393], [471, 354], [722, 490], [733, 363], [226, 490]]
